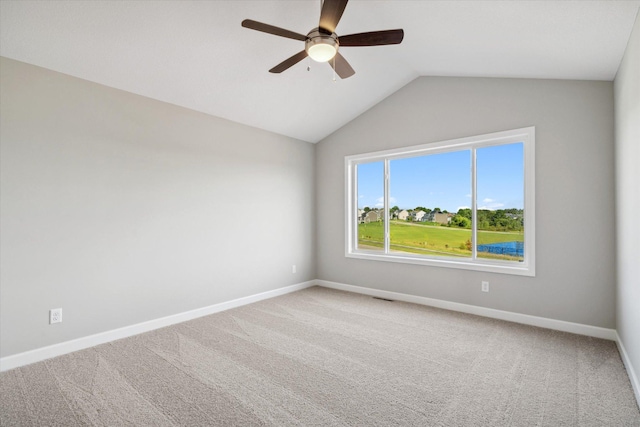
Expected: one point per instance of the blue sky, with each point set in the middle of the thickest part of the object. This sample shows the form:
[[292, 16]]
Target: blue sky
[[444, 180]]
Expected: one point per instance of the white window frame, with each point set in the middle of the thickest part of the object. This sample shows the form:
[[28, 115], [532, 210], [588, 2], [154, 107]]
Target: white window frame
[[523, 268]]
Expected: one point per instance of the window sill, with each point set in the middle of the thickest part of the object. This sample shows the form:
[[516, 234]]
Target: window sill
[[521, 269]]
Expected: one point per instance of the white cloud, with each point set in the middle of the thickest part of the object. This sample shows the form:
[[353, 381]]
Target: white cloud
[[380, 201], [490, 204], [467, 195]]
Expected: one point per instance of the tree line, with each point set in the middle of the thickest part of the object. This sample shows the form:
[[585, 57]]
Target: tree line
[[511, 219]]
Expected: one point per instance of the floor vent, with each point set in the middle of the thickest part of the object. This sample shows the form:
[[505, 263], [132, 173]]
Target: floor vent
[[383, 299]]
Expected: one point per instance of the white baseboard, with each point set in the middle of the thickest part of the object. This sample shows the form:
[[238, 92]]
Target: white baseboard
[[39, 354], [559, 325], [635, 384]]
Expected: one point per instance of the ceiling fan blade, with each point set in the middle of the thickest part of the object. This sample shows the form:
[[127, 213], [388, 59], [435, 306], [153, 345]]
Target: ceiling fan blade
[[342, 67], [373, 38], [289, 62], [330, 14], [270, 29]]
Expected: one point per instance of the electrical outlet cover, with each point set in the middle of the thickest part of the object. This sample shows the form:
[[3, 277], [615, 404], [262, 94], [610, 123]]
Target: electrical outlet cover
[[55, 316]]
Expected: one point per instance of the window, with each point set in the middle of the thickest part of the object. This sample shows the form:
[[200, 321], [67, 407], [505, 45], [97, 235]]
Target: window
[[466, 203]]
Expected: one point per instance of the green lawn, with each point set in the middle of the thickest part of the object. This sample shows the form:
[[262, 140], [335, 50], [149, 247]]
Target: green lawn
[[430, 240]]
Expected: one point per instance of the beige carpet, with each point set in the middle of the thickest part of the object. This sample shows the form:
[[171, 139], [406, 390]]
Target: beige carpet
[[329, 358]]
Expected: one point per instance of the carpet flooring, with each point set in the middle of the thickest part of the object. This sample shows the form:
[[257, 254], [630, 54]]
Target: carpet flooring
[[321, 357]]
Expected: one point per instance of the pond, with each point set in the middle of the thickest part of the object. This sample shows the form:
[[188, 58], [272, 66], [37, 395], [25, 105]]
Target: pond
[[504, 248]]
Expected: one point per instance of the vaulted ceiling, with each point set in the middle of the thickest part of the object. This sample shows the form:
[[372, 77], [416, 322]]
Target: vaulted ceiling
[[196, 54]]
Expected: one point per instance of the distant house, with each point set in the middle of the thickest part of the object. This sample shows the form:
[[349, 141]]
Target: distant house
[[439, 217], [403, 214], [372, 216], [419, 216]]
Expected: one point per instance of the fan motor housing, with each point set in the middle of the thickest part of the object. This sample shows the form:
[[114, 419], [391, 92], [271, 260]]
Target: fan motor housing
[[321, 46]]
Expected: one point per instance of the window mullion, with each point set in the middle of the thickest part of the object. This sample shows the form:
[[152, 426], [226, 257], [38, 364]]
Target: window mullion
[[386, 206], [474, 213]]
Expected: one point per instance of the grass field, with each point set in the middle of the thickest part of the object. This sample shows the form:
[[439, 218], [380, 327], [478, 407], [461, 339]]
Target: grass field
[[432, 240]]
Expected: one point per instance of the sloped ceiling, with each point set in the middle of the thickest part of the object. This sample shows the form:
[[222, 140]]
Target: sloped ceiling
[[196, 54]]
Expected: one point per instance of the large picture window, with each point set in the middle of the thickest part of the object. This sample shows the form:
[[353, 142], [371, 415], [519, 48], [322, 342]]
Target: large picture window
[[465, 203]]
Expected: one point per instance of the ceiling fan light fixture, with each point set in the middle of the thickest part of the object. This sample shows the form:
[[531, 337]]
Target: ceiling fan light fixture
[[321, 47], [322, 52], [321, 44]]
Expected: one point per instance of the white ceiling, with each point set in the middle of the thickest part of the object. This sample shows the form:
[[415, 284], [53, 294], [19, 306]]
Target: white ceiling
[[195, 53]]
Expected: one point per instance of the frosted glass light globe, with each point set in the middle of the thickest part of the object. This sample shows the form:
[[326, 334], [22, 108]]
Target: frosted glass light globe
[[322, 52]]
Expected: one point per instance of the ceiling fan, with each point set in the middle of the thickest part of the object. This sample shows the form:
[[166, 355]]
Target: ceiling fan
[[322, 43]]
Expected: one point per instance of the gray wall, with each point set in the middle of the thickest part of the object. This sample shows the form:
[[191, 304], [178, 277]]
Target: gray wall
[[627, 125], [122, 209], [575, 216]]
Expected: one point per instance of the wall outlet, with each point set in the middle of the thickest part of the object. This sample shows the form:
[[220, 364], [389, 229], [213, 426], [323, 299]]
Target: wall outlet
[[293, 269], [55, 316], [485, 286]]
